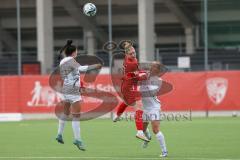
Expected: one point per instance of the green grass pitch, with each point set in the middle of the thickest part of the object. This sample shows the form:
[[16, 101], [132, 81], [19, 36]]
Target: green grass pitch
[[201, 138]]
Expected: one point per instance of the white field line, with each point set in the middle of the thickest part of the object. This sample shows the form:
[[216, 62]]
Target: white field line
[[121, 158]]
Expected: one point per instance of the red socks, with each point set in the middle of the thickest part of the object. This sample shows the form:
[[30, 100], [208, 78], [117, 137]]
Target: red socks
[[139, 120], [121, 109], [138, 115]]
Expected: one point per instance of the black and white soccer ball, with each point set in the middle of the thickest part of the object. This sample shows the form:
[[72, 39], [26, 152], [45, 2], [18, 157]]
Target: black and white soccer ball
[[89, 9]]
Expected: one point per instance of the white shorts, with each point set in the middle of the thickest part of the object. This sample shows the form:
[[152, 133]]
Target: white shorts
[[151, 115], [72, 98], [71, 93]]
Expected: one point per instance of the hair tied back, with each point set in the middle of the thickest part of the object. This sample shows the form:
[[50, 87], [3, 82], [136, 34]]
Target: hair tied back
[[69, 42]]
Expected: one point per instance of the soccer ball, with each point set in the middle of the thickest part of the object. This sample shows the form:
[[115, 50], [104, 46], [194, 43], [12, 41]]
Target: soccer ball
[[89, 9], [234, 114]]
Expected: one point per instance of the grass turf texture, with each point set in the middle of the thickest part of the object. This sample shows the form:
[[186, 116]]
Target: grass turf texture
[[201, 138]]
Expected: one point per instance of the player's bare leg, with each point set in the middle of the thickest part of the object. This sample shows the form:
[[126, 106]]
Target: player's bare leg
[[62, 121], [160, 137], [76, 110]]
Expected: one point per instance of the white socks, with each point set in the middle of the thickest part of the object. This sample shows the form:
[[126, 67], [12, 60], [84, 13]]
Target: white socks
[[147, 134], [75, 126], [140, 132], [161, 140], [61, 125], [76, 129]]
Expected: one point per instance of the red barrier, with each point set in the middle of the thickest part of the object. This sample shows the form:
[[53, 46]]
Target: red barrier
[[196, 91], [203, 91]]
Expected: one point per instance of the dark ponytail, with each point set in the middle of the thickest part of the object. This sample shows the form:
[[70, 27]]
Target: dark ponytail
[[68, 49]]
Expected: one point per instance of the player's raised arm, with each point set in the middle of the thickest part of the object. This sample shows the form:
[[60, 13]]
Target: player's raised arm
[[89, 67]]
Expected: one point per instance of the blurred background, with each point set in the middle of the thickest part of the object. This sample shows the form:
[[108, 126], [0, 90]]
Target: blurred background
[[185, 35]]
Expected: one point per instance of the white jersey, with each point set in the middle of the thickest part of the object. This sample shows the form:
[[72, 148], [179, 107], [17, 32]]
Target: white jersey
[[70, 70], [149, 90], [70, 73]]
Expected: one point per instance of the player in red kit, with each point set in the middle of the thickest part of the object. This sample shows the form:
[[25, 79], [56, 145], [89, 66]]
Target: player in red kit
[[130, 79]]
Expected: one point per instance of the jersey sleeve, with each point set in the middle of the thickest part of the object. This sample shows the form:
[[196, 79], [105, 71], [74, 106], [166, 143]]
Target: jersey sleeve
[[86, 68], [74, 64], [83, 68]]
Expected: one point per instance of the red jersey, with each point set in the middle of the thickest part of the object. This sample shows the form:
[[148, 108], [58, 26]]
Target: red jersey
[[131, 76], [130, 65]]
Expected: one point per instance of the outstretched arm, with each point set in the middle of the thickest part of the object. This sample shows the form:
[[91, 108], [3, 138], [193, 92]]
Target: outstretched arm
[[90, 67], [84, 68]]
